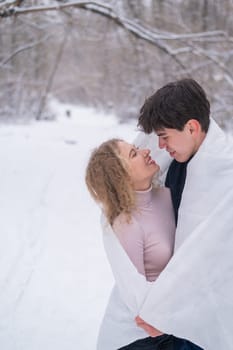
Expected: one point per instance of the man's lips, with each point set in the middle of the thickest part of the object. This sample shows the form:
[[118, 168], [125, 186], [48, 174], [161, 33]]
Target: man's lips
[[172, 153]]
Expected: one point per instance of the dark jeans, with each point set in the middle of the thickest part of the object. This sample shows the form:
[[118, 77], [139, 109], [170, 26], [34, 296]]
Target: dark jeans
[[162, 342]]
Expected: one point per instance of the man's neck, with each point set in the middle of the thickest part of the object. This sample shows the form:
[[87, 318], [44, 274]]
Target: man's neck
[[199, 140]]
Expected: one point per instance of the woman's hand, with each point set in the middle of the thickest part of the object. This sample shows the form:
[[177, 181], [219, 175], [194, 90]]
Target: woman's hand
[[153, 332]]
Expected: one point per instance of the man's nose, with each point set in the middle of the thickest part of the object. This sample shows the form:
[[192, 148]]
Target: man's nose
[[162, 143]]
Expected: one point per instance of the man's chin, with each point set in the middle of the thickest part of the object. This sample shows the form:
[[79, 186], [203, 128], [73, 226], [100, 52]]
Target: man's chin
[[178, 158]]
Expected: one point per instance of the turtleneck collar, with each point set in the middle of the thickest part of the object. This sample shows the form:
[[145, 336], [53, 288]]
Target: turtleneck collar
[[143, 198]]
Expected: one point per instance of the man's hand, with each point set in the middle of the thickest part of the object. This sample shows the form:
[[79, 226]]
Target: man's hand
[[153, 332]]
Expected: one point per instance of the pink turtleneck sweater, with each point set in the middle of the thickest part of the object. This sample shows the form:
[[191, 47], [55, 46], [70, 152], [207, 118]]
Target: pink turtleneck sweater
[[149, 237]]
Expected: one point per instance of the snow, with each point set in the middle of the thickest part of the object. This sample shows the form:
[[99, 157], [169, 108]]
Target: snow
[[54, 276]]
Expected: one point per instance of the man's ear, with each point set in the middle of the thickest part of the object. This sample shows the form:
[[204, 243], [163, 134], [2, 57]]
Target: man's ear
[[193, 126]]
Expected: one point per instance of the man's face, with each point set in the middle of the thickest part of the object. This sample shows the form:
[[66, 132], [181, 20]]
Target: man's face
[[181, 145]]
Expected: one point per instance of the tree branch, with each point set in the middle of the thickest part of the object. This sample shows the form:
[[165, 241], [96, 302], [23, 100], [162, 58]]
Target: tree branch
[[21, 49], [153, 36]]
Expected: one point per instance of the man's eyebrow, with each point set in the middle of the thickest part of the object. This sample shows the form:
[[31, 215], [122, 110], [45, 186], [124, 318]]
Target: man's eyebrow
[[161, 133]]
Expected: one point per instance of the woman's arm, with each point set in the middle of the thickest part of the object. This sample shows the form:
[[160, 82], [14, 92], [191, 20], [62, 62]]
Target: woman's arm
[[131, 237], [153, 332], [132, 285]]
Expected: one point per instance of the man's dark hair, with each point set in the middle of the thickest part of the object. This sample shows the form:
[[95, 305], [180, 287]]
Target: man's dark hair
[[173, 105]]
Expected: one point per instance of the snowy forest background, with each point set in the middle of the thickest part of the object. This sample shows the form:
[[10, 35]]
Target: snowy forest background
[[73, 74], [112, 54]]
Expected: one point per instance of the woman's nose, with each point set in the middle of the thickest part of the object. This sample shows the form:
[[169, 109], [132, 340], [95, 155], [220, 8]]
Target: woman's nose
[[146, 152]]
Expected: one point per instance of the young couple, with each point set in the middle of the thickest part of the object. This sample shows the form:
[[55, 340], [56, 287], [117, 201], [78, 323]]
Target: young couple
[[170, 245]]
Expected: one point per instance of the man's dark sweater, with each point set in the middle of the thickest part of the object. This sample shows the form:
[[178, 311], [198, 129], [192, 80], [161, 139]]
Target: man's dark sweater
[[175, 180]]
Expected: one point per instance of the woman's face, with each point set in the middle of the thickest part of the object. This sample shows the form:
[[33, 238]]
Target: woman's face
[[140, 166]]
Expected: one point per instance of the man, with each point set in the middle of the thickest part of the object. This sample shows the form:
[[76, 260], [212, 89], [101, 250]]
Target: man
[[179, 113], [199, 177], [192, 298]]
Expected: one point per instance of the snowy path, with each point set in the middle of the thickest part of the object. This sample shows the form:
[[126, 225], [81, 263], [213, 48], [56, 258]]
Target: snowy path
[[54, 277]]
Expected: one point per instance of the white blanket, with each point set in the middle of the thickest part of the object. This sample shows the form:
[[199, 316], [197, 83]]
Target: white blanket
[[193, 296]]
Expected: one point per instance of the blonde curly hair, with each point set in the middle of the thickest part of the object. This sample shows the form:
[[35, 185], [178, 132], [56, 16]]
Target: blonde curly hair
[[108, 180]]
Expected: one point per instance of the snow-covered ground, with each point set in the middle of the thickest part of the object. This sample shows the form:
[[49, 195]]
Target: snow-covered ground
[[54, 276]]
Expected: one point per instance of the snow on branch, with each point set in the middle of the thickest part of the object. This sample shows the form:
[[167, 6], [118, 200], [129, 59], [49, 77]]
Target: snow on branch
[[7, 7], [152, 35], [147, 33]]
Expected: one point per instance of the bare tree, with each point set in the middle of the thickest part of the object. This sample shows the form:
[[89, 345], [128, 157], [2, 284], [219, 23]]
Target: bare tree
[[116, 52]]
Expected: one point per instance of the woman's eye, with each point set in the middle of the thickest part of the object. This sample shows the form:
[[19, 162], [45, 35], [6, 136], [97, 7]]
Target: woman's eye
[[134, 154]]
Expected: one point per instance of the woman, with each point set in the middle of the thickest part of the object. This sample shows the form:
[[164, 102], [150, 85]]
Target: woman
[[119, 177]]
